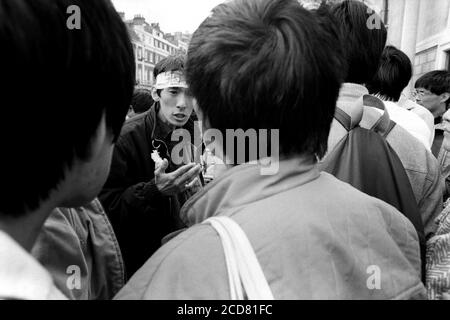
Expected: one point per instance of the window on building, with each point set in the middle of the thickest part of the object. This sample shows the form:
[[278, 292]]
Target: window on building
[[139, 74]]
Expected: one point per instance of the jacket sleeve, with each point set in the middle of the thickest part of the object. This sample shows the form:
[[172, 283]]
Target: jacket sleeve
[[431, 203], [123, 198]]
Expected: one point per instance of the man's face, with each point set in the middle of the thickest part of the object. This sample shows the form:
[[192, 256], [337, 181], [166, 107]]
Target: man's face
[[176, 106], [433, 102]]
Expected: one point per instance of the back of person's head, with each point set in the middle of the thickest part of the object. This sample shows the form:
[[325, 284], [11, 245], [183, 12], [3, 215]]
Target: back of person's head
[[363, 39], [142, 100], [437, 82], [74, 80], [393, 75], [268, 64]]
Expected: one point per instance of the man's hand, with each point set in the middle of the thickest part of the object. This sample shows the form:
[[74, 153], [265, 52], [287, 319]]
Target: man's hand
[[172, 183]]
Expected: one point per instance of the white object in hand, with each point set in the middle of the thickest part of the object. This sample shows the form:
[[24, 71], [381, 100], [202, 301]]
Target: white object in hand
[[156, 158]]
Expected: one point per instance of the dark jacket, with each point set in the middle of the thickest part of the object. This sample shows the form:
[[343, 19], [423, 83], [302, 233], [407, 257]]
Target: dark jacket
[[140, 215]]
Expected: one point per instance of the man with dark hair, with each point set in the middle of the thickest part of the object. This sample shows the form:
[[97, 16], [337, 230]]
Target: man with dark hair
[[58, 153], [392, 77], [142, 198], [363, 49], [271, 64], [433, 92]]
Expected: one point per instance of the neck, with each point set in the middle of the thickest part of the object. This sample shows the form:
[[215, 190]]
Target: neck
[[26, 228]]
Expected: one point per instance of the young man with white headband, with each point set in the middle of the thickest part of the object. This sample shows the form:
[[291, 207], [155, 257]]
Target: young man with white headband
[[145, 188]]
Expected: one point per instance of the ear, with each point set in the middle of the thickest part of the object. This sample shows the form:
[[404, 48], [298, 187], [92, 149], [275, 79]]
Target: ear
[[155, 95], [444, 97]]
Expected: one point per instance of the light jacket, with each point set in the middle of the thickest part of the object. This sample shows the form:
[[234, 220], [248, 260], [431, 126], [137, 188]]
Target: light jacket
[[80, 250], [314, 236], [420, 165]]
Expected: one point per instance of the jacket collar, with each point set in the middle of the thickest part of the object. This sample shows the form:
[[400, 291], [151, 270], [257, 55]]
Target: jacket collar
[[355, 100], [161, 130], [350, 101], [244, 184]]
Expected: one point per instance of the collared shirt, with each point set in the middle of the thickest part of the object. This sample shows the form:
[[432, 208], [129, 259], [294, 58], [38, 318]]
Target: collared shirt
[[422, 112], [21, 276], [410, 122]]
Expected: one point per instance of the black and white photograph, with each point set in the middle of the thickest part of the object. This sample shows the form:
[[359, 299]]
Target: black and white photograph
[[206, 151]]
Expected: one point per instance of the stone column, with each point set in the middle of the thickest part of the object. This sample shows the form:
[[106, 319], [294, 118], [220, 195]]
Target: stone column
[[409, 32]]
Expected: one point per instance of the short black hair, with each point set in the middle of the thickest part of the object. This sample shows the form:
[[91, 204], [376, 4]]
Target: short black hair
[[175, 62], [393, 75], [268, 64], [71, 78], [142, 100], [437, 82], [364, 38]]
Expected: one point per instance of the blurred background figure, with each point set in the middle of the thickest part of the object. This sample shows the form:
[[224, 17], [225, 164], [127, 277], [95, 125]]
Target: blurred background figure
[[142, 101], [392, 77]]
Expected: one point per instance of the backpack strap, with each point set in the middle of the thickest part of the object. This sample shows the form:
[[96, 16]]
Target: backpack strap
[[245, 276], [384, 125], [343, 118]]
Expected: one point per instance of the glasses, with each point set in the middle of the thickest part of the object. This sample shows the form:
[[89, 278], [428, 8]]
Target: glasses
[[420, 93]]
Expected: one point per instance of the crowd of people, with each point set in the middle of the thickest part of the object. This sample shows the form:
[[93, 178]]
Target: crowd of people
[[113, 191]]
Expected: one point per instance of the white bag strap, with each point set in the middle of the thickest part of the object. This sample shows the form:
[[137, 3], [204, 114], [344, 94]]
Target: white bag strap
[[245, 276]]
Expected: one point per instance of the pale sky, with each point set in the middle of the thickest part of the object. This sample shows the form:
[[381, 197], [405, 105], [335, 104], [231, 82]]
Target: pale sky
[[172, 15]]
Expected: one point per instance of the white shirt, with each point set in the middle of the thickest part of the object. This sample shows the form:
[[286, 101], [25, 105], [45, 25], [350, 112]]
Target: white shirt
[[422, 112], [411, 122], [21, 276]]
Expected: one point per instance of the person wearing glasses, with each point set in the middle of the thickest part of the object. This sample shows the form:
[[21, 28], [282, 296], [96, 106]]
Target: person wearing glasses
[[432, 91]]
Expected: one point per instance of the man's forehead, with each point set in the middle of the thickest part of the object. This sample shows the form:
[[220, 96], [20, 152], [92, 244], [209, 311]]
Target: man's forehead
[[171, 79]]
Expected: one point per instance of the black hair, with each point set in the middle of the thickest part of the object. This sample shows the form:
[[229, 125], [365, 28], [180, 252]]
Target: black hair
[[393, 75], [364, 38], [268, 64], [437, 82], [142, 100], [71, 78]]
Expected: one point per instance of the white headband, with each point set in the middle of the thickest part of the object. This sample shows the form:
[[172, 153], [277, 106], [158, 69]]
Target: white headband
[[169, 79]]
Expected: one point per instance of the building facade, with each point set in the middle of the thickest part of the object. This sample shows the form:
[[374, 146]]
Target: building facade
[[151, 45], [421, 28]]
